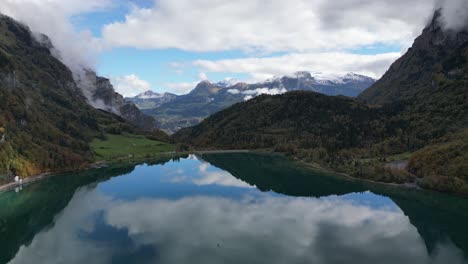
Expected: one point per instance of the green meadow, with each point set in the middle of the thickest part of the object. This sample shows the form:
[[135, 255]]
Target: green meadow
[[128, 146]]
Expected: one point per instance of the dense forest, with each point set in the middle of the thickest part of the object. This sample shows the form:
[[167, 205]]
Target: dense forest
[[417, 112], [45, 121]]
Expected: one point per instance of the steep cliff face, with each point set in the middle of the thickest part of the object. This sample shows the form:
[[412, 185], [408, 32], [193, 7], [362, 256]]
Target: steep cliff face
[[437, 57], [428, 86], [45, 120], [97, 91], [420, 106], [101, 95], [107, 99]]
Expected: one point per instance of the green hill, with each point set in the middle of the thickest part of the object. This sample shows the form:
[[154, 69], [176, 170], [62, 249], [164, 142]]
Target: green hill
[[46, 123], [208, 98], [420, 103]]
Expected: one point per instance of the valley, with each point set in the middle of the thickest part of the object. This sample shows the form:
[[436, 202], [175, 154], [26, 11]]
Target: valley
[[176, 112], [128, 146], [331, 123], [338, 132], [419, 106]]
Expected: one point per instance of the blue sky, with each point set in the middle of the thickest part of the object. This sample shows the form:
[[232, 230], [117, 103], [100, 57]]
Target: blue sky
[[171, 45], [155, 66], [151, 65]]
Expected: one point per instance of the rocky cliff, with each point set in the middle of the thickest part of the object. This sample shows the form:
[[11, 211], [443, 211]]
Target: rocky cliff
[[100, 94], [46, 123]]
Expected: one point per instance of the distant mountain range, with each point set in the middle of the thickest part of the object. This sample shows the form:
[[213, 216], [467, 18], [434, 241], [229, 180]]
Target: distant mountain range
[[410, 126], [175, 112], [150, 99]]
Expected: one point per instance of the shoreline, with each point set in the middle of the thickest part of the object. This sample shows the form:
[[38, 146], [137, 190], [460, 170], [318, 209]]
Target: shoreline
[[410, 186], [311, 166], [28, 180], [96, 165], [221, 151], [404, 185], [104, 163], [45, 175]]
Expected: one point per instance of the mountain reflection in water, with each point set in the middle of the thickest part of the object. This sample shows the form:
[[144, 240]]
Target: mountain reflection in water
[[207, 209]]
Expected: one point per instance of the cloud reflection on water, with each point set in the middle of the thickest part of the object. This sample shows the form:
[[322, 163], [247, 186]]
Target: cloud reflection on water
[[206, 175], [256, 229]]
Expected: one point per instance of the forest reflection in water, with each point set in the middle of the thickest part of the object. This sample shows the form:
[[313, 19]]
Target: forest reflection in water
[[209, 209]]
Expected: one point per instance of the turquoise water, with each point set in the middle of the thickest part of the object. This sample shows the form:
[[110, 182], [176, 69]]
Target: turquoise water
[[227, 208]]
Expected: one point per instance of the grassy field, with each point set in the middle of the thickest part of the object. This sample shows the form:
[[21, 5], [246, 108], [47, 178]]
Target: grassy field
[[128, 146]]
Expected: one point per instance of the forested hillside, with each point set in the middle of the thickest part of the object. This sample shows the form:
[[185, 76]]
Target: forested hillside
[[418, 112], [208, 98], [45, 121]]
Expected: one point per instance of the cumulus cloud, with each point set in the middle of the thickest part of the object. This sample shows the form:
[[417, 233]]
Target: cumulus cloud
[[249, 94], [233, 91], [271, 91], [261, 69], [277, 25], [52, 18], [454, 14], [130, 85], [180, 87], [315, 35]]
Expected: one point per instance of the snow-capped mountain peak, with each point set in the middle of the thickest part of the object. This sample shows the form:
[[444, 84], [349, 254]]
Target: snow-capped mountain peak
[[356, 77], [301, 75], [227, 82], [322, 78], [149, 95]]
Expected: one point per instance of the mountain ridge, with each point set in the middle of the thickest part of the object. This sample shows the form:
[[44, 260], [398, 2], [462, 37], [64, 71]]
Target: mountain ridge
[[150, 99], [207, 97], [46, 122], [432, 53], [417, 112]]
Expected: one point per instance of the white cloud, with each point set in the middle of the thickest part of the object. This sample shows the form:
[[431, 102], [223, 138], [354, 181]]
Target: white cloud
[[180, 87], [52, 18], [233, 91], [203, 76], [130, 85], [454, 14], [261, 69], [258, 91], [252, 93], [314, 34], [248, 97], [268, 26]]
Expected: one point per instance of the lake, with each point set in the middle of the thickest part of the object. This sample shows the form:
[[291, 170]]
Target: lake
[[227, 208]]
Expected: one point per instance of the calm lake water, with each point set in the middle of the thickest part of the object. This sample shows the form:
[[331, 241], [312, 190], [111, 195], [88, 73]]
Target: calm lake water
[[227, 208]]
